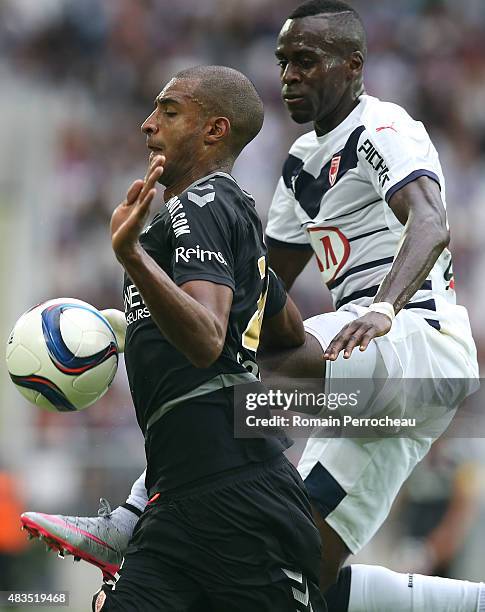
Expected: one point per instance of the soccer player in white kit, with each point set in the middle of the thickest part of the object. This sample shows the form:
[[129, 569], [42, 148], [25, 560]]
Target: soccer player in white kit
[[365, 193]]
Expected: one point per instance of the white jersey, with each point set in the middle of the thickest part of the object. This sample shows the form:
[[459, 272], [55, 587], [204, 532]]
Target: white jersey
[[333, 197]]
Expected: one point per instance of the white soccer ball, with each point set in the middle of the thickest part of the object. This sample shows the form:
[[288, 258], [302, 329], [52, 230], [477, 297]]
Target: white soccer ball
[[62, 355]]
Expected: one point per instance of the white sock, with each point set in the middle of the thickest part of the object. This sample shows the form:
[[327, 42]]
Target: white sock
[[481, 598], [124, 520], [377, 589], [138, 496]]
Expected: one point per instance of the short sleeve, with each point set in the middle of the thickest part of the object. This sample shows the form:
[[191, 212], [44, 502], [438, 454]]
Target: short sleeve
[[203, 232], [396, 153], [284, 228], [276, 296]]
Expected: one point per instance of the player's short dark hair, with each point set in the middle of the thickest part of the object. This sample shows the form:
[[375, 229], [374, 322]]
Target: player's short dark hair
[[348, 22], [228, 93], [320, 7]]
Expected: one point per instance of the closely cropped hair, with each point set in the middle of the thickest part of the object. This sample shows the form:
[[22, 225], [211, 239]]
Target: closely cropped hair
[[319, 7], [347, 21], [228, 93]]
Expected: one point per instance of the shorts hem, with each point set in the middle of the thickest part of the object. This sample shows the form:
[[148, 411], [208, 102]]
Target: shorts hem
[[352, 544]]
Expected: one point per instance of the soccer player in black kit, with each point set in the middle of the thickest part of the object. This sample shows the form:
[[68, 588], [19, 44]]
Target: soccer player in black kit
[[228, 527]]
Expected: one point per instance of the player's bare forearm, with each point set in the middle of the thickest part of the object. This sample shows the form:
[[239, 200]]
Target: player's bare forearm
[[186, 323], [419, 207], [283, 330], [425, 237]]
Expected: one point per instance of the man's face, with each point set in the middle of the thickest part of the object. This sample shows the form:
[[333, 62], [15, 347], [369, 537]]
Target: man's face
[[314, 72], [175, 129]]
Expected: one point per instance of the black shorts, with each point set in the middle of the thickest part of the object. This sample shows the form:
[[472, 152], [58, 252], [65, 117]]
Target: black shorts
[[245, 542]]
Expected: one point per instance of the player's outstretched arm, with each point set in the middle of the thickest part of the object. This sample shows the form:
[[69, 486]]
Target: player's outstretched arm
[[419, 207], [194, 316]]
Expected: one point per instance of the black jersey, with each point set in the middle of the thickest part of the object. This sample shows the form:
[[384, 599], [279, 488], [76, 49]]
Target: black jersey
[[209, 232]]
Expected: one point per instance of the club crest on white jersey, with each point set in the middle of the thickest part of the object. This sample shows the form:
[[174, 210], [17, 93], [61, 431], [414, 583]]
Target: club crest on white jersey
[[333, 172]]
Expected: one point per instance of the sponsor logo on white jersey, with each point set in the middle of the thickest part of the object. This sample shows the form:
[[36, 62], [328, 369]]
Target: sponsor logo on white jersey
[[332, 250], [376, 161]]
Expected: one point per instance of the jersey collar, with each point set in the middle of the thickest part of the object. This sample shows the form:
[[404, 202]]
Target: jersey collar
[[204, 179]]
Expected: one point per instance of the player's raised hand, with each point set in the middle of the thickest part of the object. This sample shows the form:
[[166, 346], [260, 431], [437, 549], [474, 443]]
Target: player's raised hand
[[129, 218], [358, 333]]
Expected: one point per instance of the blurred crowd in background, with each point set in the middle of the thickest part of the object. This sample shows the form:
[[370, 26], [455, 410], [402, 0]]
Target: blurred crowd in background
[[78, 78]]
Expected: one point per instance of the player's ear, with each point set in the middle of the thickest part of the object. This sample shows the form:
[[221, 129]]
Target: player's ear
[[356, 62], [217, 129]]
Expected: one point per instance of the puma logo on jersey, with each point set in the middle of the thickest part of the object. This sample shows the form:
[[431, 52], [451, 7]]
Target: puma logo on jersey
[[387, 127], [184, 255]]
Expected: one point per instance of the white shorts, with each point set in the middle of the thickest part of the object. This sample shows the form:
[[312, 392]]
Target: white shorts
[[354, 481]]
